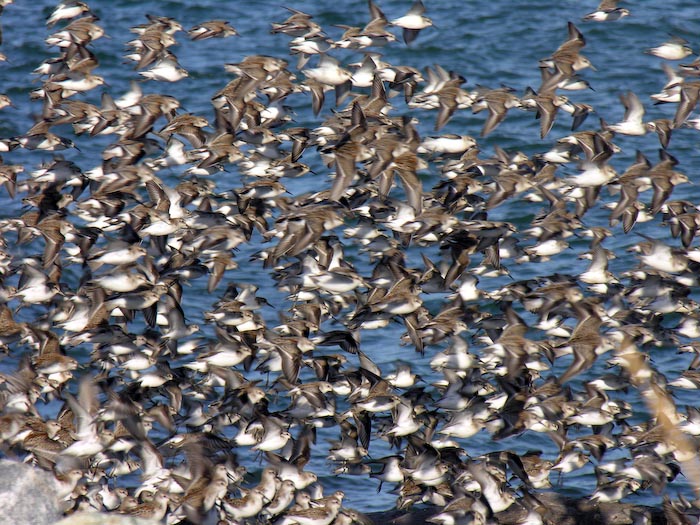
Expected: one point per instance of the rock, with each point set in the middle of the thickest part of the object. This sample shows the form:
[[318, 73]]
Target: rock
[[100, 518], [28, 495]]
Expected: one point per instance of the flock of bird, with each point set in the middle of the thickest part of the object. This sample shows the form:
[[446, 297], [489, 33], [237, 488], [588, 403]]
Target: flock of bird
[[157, 414]]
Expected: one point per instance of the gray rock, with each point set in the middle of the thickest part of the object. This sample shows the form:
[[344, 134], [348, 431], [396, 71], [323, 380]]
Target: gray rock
[[100, 518], [28, 495]]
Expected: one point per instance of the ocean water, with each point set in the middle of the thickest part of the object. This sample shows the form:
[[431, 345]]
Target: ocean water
[[490, 44]]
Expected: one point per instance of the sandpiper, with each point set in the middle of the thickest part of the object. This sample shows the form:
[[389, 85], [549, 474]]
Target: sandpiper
[[212, 29], [674, 49], [607, 11], [323, 515], [413, 21], [632, 121]]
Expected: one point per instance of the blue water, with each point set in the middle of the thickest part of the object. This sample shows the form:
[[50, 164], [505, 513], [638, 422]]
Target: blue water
[[489, 43]]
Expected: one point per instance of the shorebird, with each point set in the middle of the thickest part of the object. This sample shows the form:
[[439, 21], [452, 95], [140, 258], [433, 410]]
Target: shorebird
[[403, 376], [614, 490], [66, 10], [298, 24], [585, 342], [674, 49], [466, 423], [212, 29], [546, 105], [371, 35], [155, 509], [120, 278], [607, 11], [689, 94], [413, 22], [455, 357], [567, 58], [498, 498], [166, 68], [631, 123], [597, 274], [671, 92], [79, 32], [329, 73], [663, 128], [282, 499], [34, 285], [322, 515], [498, 102], [450, 144], [662, 257]]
